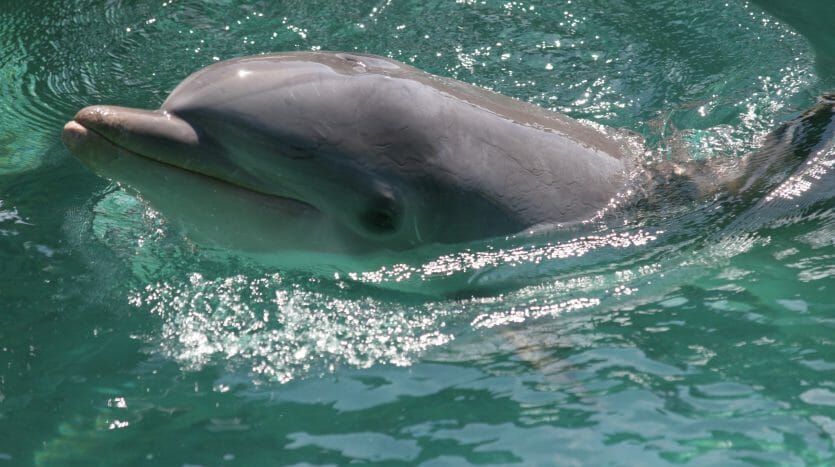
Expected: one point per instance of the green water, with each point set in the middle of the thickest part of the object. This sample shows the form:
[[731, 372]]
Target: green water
[[704, 337]]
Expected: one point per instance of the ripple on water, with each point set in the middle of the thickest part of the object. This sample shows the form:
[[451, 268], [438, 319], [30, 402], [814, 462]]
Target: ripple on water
[[30, 106], [44, 79]]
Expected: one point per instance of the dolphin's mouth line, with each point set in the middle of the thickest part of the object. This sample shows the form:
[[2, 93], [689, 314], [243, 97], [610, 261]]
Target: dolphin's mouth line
[[298, 204]]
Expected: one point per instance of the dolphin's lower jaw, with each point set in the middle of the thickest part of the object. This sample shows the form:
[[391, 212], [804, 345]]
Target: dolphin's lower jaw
[[86, 143], [101, 135], [205, 208]]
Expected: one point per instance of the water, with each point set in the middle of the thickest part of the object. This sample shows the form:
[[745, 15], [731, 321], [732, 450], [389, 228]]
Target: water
[[702, 336]]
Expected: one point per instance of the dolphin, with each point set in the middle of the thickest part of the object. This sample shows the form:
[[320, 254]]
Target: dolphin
[[343, 152], [350, 153]]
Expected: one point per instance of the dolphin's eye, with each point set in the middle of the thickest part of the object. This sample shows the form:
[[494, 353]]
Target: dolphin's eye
[[381, 217]]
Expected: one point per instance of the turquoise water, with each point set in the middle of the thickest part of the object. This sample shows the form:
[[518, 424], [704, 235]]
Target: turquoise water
[[702, 336]]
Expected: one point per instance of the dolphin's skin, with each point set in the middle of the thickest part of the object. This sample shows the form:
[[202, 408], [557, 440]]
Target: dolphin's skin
[[340, 152], [335, 151]]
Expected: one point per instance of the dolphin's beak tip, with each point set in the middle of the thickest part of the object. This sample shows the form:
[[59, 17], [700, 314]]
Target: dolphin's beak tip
[[74, 134]]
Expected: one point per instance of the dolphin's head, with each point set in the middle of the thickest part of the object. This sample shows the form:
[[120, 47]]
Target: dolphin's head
[[334, 137]]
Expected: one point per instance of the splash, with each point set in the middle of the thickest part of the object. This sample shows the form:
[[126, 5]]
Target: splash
[[278, 329], [9, 217], [279, 326]]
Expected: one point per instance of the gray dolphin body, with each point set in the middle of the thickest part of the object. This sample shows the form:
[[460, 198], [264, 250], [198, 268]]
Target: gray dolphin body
[[345, 152], [338, 152]]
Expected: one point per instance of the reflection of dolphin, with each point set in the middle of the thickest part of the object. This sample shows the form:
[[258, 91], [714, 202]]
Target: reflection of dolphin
[[341, 152]]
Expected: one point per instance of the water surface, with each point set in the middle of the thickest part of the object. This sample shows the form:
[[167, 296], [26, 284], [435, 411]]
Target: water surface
[[701, 336]]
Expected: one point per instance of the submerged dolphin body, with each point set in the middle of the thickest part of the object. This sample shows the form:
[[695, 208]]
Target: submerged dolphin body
[[338, 152]]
